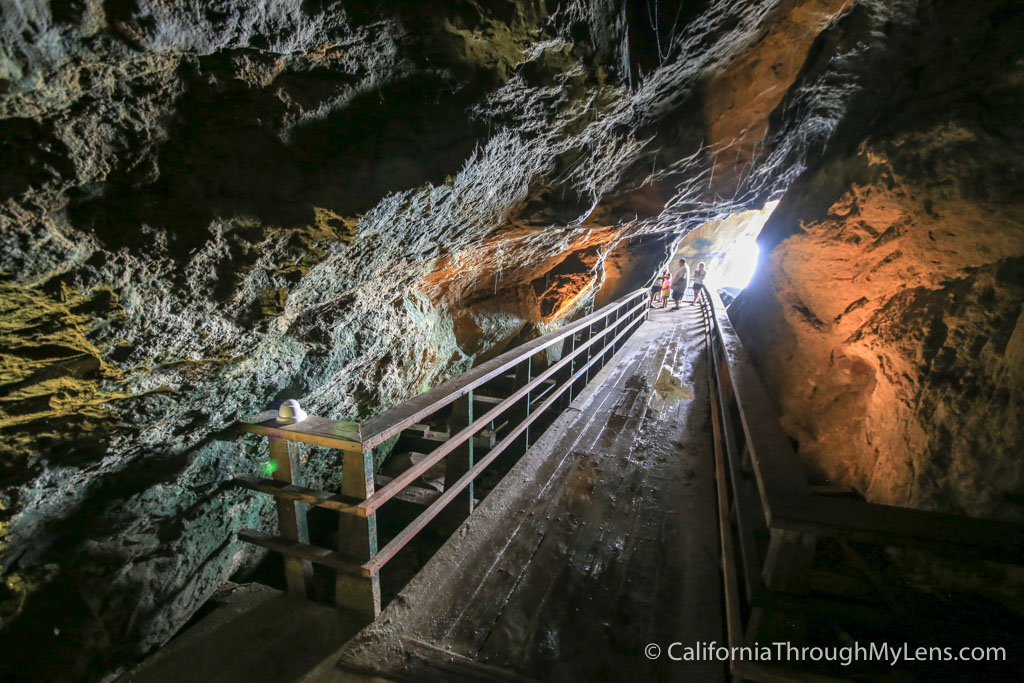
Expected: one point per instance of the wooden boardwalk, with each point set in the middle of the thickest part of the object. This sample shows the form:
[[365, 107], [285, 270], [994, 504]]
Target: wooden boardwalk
[[603, 538]]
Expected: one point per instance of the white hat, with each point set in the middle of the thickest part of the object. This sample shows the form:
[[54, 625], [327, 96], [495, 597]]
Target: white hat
[[290, 412]]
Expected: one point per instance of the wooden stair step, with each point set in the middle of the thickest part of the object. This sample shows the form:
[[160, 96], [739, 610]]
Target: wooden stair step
[[302, 551], [280, 489], [417, 495]]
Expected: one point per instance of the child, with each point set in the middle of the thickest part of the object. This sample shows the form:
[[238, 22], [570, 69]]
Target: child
[[666, 288]]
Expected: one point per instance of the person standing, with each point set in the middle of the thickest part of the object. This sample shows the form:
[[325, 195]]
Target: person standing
[[679, 281], [698, 281]]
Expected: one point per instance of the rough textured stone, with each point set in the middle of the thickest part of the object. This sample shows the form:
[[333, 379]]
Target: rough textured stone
[[887, 322]]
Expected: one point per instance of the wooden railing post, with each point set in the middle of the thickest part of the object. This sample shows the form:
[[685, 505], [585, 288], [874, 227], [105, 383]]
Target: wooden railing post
[[291, 515], [357, 537]]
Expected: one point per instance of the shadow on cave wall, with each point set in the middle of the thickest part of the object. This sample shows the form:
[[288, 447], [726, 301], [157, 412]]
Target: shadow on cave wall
[[228, 155]]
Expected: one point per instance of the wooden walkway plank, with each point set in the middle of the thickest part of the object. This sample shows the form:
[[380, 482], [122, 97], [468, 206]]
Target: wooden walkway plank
[[317, 431]]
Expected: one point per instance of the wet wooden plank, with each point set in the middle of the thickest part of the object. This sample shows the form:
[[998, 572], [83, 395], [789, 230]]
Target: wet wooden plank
[[422, 661], [301, 551], [318, 431], [602, 538]]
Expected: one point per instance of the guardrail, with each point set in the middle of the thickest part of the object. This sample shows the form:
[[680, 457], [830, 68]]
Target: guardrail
[[584, 346], [762, 491]]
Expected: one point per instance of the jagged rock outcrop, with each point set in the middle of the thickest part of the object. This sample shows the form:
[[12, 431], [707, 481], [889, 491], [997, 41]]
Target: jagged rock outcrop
[[209, 207], [887, 321]]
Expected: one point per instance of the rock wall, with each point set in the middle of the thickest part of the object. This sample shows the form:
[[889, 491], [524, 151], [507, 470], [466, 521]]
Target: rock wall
[[887, 321]]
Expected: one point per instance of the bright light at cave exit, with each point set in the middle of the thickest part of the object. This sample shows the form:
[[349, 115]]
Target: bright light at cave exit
[[741, 259]]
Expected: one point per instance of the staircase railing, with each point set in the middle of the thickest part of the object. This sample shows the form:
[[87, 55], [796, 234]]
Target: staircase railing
[[581, 347]]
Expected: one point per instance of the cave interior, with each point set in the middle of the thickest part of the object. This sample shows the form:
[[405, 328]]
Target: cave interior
[[210, 207]]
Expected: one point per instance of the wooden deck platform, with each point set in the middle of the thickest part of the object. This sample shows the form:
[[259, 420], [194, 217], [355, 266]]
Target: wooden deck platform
[[602, 539]]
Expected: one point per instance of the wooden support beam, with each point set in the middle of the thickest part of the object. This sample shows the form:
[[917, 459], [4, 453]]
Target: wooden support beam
[[357, 539], [286, 491], [291, 515], [417, 495], [904, 527]]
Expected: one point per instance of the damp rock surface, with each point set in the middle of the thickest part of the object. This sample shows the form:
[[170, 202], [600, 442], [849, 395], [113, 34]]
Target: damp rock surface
[[887, 318]]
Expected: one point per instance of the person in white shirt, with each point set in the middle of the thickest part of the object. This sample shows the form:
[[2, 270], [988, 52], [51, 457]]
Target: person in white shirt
[[679, 281], [698, 281]]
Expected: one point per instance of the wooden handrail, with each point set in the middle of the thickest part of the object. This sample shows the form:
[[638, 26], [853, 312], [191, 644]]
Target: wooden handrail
[[317, 431], [790, 503], [407, 534], [776, 469], [412, 473], [391, 422], [357, 560], [793, 512]]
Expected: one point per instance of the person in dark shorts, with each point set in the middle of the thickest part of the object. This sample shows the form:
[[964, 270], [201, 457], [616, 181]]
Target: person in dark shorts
[[655, 291], [698, 281], [679, 281]]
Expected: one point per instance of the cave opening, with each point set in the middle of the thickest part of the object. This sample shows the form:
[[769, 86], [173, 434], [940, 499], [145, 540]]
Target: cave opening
[[728, 247]]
